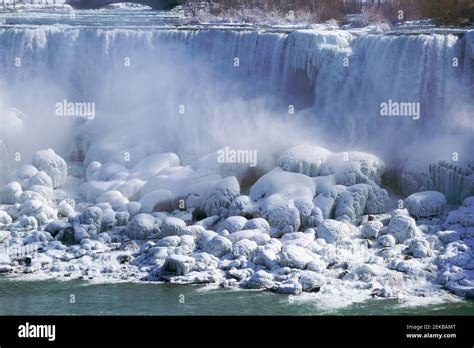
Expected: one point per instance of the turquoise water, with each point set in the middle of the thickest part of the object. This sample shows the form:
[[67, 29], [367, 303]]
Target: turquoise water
[[50, 297]]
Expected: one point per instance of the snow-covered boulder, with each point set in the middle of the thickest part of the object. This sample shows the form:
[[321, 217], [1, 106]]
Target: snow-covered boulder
[[91, 215], [26, 172], [311, 281], [49, 162], [218, 246], [260, 280], [425, 204], [171, 241], [170, 226], [239, 205], [402, 226], [244, 247], [219, 199], [304, 159], [10, 193], [5, 219], [360, 199], [42, 179], [419, 248], [160, 200], [259, 224], [232, 224], [333, 231], [348, 168], [296, 257], [142, 226], [386, 241], [178, 265], [257, 236], [371, 229], [265, 257]]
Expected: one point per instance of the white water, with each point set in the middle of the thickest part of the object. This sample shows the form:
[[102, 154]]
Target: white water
[[247, 106]]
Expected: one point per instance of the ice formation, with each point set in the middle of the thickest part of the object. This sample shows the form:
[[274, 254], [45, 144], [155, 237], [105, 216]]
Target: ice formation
[[309, 220]]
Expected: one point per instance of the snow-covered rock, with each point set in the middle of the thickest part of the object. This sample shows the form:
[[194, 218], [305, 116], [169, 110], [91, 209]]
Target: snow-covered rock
[[245, 248], [218, 246], [419, 248], [160, 200], [260, 280], [218, 200], [142, 226], [371, 229], [296, 257], [360, 199], [402, 226], [178, 264], [232, 224], [265, 257], [257, 236], [425, 204], [42, 179], [349, 168], [10, 193], [257, 223], [170, 226], [49, 162], [333, 231]]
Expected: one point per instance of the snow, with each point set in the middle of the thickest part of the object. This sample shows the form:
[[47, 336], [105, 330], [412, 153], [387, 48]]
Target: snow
[[10, 193], [141, 226], [54, 166], [425, 204], [299, 226], [178, 264], [332, 231], [402, 226]]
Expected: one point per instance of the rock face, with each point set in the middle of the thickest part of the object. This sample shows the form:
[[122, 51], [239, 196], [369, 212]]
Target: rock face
[[53, 165], [425, 204]]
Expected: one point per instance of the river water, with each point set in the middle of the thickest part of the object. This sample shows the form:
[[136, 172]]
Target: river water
[[51, 297]]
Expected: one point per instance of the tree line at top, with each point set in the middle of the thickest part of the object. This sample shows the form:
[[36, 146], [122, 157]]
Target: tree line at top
[[455, 12]]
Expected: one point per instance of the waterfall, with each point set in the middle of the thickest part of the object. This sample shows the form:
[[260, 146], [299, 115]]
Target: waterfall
[[237, 86]]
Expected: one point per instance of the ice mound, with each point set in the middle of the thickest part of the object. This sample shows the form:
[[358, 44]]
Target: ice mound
[[289, 200], [445, 165], [178, 265], [220, 198], [53, 165], [142, 226], [402, 227], [455, 180], [425, 204], [349, 168], [10, 193], [332, 231]]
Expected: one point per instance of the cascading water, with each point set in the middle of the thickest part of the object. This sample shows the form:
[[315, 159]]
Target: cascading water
[[336, 80]]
